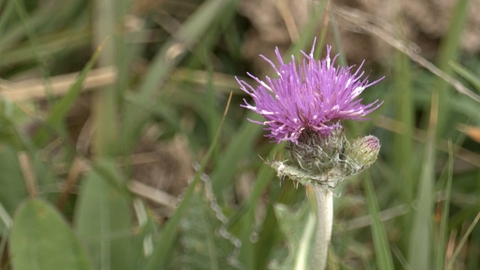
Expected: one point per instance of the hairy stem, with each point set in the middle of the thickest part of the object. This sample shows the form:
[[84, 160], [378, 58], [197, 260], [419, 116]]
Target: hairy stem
[[324, 200]]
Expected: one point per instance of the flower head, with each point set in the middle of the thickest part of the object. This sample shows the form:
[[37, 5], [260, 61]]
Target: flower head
[[360, 154], [312, 95]]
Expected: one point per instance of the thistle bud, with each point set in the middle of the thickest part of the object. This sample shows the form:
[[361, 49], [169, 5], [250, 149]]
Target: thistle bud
[[361, 154]]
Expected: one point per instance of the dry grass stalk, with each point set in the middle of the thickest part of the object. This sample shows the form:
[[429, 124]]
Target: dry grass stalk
[[59, 85]]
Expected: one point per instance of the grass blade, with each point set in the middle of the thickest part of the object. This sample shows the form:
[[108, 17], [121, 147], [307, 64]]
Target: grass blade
[[443, 230], [403, 142], [240, 145], [171, 53], [169, 232], [380, 240], [244, 217], [60, 109], [462, 242], [448, 51], [421, 232], [466, 74]]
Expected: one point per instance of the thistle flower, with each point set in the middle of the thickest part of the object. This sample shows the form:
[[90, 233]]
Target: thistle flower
[[304, 106], [313, 95]]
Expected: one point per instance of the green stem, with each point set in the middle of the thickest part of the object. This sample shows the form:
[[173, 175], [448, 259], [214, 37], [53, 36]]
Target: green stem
[[324, 198]]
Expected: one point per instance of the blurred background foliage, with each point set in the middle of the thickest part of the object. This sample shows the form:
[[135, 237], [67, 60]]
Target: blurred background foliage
[[123, 146]]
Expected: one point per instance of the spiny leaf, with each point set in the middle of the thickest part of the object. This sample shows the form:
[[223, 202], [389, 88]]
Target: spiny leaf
[[206, 243]]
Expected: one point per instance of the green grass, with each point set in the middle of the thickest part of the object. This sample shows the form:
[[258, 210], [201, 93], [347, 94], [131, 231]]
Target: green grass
[[416, 208]]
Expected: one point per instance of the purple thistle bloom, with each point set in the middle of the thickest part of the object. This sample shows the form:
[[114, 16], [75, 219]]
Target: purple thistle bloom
[[314, 95]]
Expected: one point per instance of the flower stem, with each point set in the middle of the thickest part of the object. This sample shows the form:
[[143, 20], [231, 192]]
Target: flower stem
[[324, 200]]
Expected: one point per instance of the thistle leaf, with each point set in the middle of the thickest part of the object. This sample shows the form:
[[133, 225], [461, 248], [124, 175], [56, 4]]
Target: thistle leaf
[[298, 226], [205, 241]]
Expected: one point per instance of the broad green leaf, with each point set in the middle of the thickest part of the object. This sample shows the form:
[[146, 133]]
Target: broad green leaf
[[13, 190], [42, 240], [103, 221], [6, 221], [205, 242]]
